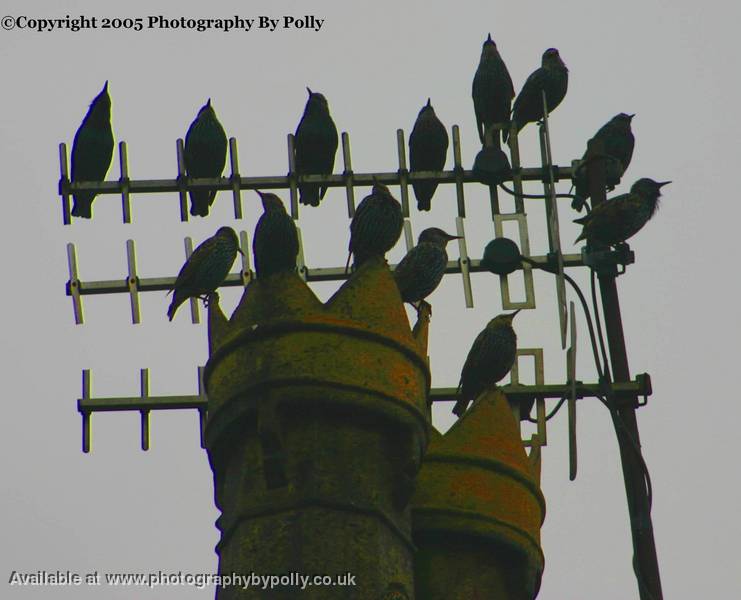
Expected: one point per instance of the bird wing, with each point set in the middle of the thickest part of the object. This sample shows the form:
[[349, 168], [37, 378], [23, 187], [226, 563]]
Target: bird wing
[[189, 272], [205, 147]]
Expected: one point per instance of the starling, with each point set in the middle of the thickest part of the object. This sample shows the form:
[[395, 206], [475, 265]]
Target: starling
[[492, 91], [205, 156], [553, 78], [315, 145], [490, 359], [92, 150], [621, 217], [422, 269], [206, 268], [376, 226], [428, 145], [618, 143], [275, 245], [491, 166]]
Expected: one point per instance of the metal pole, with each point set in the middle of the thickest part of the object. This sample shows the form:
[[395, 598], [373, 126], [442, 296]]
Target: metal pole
[[645, 562]]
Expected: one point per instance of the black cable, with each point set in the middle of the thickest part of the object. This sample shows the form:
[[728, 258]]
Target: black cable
[[597, 318], [534, 196], [551, 414]]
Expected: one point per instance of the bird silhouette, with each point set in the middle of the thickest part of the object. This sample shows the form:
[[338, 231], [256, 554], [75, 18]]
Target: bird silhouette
[[490, 359], [275, 244], [618, 143], [552, 78], [621, 217], [428, 145], [205, 156], [423, 267], [92, 150], [205, 269], [492, 91], [315, 146], [376, 226]]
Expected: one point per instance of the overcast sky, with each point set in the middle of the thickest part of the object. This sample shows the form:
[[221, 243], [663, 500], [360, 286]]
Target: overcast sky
[[119, 509]]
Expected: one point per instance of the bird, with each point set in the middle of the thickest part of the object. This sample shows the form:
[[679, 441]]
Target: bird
[[422, 269], [492, 91], [552, 78], [275, 244], [618, 143], [428, 145], [375, 227], [205, 269], [491, 166], [205, 156], [315, 146], [621, 217], [490, 359], [92, 151]]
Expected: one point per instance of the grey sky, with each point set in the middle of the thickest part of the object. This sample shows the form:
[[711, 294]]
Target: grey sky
[[119, 509]]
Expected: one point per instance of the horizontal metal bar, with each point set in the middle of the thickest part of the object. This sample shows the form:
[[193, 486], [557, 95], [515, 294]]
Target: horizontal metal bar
[[638, 387], [139, 403], [159, 284], [143, 186]]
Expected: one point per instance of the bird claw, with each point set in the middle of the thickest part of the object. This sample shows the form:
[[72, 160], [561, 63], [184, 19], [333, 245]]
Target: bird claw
[[424, 310], [209, 298]]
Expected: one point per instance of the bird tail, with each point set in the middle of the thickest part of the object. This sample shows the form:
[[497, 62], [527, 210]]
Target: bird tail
[[309, 194], [174, 305], [424, 192], [460, 404], [582, 236], [83, 206], [200, 202]]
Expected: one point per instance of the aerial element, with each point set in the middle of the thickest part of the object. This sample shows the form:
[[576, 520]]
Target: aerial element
[[315, 145], [490, 359], [205, 156], [492, 92], [552, 78], [205, 269], [423, 267], [275, 245], [92, 150], [428, 145], [621, 217], [618, 142], [376, 226]]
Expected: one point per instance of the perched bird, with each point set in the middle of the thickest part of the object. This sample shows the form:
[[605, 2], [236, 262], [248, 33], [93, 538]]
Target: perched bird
[[491, 166], [205, 269], [618, 142], [621, 217], [490, 359], [205, 156], [553, 78], [428, 145], [275, 245], [315, 145], [492, 91], [376, 226], [422, 269], [92, 150]]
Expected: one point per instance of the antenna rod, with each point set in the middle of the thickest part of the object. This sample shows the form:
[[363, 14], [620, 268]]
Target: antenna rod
[[645, 562]]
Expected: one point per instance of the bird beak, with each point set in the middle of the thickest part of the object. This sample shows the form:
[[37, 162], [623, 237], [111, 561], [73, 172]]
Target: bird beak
[[105, 87], [208, 103], [488, 39], [514, 314], [428, 102], [259, 193], [454, 237], [308, 90], [631, 116], [663, 183]]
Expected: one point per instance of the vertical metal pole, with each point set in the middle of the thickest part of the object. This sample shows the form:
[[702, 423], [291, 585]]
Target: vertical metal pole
[[180, 146], [403, 173], [124, 180], [645, 562], [348, 174], [235, 178], [64, 184]]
